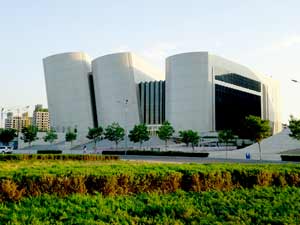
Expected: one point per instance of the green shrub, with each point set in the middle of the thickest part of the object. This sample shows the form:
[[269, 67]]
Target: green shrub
[[85, 157], [291, 158], [242, 206], [111, 179]]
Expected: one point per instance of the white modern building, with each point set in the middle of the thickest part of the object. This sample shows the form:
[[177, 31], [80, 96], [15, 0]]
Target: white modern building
[[201, 91]]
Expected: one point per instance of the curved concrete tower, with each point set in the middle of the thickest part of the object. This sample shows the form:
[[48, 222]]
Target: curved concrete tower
[[68, 92], [116, 77], [189, 92]]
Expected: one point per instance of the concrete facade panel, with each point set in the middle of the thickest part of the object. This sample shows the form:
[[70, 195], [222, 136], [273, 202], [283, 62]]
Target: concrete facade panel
[[68, 94], [189, 92]]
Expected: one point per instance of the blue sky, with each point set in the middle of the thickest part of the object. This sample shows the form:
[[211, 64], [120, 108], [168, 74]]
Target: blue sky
[[263, 35]]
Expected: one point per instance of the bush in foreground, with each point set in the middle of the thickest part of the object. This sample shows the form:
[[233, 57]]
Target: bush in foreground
[[255, 206], [123, 179]]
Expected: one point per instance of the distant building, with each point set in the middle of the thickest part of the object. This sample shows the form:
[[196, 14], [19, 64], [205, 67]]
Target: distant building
[[9, 120], [17, 122], [40, 118]]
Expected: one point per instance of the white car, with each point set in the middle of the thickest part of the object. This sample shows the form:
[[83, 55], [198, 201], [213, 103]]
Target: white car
[[5, 149]]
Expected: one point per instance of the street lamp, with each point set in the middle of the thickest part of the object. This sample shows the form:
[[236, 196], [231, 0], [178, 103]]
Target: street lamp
[[125, 122], [126, 136]]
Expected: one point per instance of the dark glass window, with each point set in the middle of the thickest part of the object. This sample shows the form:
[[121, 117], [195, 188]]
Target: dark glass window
[[93, 99], [239, 80], [152, 101], [232, 106]]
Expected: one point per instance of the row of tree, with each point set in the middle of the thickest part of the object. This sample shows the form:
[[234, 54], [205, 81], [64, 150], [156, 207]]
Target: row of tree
[[256, 129], [29, 134]]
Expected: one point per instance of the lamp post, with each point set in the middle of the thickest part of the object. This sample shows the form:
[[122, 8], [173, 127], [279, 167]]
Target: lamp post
[[125, 122], [126, 136]]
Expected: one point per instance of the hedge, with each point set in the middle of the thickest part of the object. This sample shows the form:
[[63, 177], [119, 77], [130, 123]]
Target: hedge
[[291, 158], [157, 153], [87, 157], [148, 181]]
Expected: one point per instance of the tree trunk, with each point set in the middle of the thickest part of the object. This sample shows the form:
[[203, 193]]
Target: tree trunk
[[260, 158], [226, 150], [166, 144], [141, 145], [95, 145]]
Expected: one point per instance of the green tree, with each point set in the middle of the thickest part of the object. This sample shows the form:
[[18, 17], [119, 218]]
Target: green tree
[[95, 134], [139, 134], [183, 135], [115, 133], [257, 129], [189, 137], [7, 135], [51, 136], [29, 134], [225, 136], [294, 126], [165, 132], [70, 136]]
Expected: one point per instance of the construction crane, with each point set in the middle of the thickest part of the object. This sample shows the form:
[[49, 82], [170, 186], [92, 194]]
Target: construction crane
[[17, 109]]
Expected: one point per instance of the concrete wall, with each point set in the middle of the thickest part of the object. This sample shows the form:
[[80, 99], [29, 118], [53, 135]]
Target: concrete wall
[[189, 103], [272, 103], [68, 94]]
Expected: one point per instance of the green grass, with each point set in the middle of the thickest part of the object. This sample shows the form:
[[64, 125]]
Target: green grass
[[254, 206]]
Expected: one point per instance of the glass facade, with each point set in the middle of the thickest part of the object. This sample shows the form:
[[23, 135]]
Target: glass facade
[[152, 102], [240, 81], [232, 106]]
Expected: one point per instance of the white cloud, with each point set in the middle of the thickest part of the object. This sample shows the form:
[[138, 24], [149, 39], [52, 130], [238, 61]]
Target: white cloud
[[121, 48], [283, 44], [290, 41]]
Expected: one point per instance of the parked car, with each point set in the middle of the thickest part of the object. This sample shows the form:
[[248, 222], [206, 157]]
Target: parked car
[[5, 149]]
